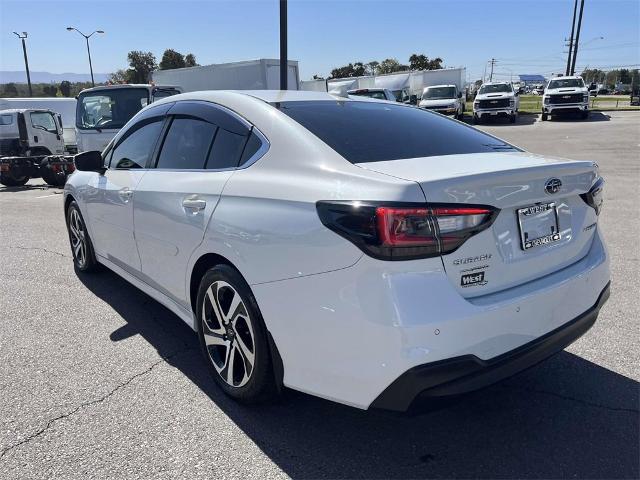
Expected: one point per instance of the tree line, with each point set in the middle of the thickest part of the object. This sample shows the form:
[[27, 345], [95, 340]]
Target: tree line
[[142, 64], [611, 77], [388, 65], [63, 89]]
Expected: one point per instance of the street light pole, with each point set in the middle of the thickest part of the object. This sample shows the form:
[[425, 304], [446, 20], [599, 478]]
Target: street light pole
[[26, 61], [283, 45], [86, 37]]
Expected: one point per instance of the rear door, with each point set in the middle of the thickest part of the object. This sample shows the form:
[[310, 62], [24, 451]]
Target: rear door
[[202, 146]]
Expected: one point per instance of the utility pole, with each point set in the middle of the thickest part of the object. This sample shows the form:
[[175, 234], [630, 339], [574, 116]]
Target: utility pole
[[493, 62], [283, 45], [26, 61], [575, 46], [573, 26]]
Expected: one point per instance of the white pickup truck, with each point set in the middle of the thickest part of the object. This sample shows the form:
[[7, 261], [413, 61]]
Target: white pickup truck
[[565, 95], [444, 99], [496, 99]]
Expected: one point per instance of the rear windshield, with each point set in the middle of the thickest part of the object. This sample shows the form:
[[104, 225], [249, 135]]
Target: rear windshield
[[373, 132]]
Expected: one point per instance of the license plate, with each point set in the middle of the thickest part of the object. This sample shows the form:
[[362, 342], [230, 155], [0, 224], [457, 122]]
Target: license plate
[[538, 225]]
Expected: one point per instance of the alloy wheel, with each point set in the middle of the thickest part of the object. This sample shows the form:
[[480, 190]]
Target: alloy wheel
[[228, 334], [78, 237]]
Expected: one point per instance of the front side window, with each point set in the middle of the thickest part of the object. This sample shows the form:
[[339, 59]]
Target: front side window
[[566, 83], [135, 150], [373, 132], [44, 121], [496, 88], [164, 92], [187, 144], [109, 108]]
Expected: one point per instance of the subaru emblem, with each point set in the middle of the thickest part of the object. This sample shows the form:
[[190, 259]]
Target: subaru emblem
[[552, 186]]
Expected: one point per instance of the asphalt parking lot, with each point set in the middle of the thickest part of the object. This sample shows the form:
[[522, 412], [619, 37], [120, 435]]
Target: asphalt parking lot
[[97, 380]]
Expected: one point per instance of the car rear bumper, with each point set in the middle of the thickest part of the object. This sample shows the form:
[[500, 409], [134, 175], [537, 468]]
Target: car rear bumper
[[455, 376], [349, 334]]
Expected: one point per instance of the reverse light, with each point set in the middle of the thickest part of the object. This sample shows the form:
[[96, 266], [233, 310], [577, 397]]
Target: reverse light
[[404, 231]]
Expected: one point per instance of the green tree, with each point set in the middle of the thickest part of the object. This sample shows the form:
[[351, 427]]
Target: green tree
[[65, 88], [372, 67], [10, 90], [422, 62], [171, 59], [391, 65], [119, 76], [190, 60], [141, 65], [50, 90], [343, 72]]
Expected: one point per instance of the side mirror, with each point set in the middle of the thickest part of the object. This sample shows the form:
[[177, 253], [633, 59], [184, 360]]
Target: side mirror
[[90, 161]]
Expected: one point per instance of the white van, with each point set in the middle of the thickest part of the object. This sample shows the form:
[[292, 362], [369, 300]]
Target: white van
[[65, 107]]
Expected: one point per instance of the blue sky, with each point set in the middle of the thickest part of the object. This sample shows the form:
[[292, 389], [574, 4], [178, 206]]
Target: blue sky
[[526, 36]]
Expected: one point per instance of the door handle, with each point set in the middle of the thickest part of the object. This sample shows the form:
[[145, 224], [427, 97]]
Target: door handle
[[192, 202], [125, 194]]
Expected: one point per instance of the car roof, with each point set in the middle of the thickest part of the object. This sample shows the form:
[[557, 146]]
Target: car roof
[[126, 85], [9, 111], [268, 96], [566, 77]]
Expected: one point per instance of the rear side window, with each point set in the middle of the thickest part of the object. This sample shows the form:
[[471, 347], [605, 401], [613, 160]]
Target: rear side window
[[227, 149], [187, 144], [373, 132], [251, 148], [137, 147], [6, 119]]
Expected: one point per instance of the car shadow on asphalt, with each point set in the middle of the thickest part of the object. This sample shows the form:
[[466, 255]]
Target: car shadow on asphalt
[[570, 118], [522, 120], [567, 417]]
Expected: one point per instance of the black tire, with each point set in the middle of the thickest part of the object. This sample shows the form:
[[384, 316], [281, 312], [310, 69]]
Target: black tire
[[9, 180], [476, 119], [55, 179], [84, 257], [544, 117], [229, 366], [584, 115], [512, 118]]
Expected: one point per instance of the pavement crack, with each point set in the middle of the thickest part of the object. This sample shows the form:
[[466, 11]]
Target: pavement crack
[[572, 399], [41, 250], [93, 402]]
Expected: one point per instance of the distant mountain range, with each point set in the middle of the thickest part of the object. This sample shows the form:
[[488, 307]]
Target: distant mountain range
[[47, 77]]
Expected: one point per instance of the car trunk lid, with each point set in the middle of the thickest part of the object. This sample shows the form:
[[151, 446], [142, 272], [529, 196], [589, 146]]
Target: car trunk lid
[[511, 251]]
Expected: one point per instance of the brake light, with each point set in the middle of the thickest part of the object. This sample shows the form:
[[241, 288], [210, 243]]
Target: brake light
[[405, 231], [595, 196]]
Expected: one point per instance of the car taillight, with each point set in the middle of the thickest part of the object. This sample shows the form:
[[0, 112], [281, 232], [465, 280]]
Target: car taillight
[[595, 196], [404, 231]]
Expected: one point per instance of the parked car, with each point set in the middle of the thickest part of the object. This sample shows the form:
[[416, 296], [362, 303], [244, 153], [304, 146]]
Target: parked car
[[565, 95], [445, 99], [496, 99], [375, 93], [31, 146], [307, 250]]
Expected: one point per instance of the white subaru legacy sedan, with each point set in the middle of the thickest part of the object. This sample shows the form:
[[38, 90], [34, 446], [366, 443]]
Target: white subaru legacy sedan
[[365, 252]]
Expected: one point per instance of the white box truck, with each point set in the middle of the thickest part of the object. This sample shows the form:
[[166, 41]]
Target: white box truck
[[262, 74], [65, 107]]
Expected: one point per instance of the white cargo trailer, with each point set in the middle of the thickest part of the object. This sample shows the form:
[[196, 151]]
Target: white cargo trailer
[[262, 74], [65, 107]]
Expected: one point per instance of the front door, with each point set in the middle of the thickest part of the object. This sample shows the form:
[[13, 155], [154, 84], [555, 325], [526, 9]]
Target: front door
[[110, 205]]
